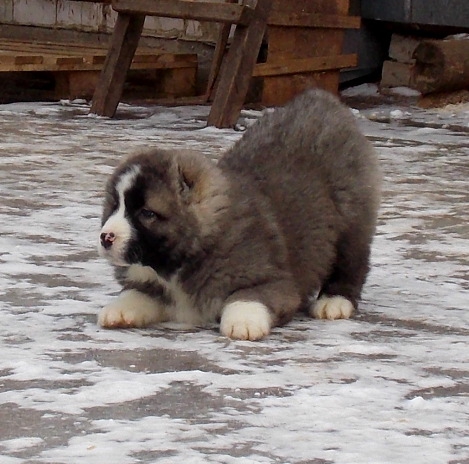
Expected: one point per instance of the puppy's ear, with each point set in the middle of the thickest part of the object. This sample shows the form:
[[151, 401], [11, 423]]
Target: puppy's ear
[[203, 188], [194, 175], [186, 183]]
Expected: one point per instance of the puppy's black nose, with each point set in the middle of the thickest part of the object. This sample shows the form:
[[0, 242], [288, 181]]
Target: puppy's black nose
[[107, 239]]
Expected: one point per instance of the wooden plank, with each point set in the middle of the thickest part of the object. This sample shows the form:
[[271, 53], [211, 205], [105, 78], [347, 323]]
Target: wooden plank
[[218, 54], [26, 59], [316, 20], [302, 65], [47, 47], [20, 47], [237, 68], [300, 43], [28, 63], [82, 67], [124, 42], [200, 10]]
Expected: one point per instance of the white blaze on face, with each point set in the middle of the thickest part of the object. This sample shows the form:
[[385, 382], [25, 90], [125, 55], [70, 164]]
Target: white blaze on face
[[117, 224]]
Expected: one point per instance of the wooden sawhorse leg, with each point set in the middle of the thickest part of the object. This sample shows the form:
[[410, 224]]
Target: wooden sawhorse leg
[[124, 42], [237, 68], [235, 73]]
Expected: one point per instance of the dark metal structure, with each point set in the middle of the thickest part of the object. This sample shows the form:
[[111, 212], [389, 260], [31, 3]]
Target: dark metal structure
[[449, 13]]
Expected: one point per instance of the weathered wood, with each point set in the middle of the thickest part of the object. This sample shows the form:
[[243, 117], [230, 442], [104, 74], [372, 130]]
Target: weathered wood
[[201, 10], [441, 65], [396, 74], [21, 60], [124, 42], [13, 47], [301, 43], [317, 20], [218, 55], [9, 46], [176, 83], [77, 84], [402, 48], [155, 84], [301, 65], [28, 63], [237, 68]]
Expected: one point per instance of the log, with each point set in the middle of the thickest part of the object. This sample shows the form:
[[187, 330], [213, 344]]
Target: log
[[441, 65]]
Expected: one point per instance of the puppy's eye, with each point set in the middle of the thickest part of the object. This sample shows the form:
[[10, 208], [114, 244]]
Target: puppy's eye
[[149, 215]]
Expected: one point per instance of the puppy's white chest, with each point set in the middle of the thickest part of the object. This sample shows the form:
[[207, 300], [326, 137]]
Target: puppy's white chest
[[182, 308], [178, 305]]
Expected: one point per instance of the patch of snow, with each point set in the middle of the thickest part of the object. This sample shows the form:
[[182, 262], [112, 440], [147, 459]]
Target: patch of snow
[[396, 373], [363, 90], [404, 92]]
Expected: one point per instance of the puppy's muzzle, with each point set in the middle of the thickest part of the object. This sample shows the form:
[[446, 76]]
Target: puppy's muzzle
[[107, 239]]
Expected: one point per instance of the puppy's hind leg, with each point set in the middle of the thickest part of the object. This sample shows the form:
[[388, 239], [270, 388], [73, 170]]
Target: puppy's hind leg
[[341, 291]]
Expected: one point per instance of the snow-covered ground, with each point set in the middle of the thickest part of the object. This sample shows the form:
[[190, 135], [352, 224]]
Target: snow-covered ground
[[389, 386]]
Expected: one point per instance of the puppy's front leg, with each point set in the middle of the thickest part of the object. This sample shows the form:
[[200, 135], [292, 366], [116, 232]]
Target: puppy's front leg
[[245, 320], [131, 309], [251, 314]]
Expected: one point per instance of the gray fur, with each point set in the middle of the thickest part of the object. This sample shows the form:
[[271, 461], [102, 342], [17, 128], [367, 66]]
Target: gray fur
[[289, 211]]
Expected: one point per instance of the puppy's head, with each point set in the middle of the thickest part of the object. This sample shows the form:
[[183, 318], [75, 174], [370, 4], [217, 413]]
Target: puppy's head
[[160, 209]]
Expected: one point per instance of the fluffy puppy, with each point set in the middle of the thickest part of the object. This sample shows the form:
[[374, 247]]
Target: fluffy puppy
[[284, 221]]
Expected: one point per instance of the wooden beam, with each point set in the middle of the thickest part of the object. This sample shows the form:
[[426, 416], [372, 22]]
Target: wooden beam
[[218, 54], [92, 63], [124, 42], [200, 11], [302, 65], [316, 20], [237, 68]]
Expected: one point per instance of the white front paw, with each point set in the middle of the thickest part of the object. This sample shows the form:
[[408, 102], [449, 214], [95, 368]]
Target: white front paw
[[245, 320], [131, 309], [332, 307]]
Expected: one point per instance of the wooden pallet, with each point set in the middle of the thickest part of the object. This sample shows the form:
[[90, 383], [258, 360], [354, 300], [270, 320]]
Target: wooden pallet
[[305, 42], [76, 67]]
